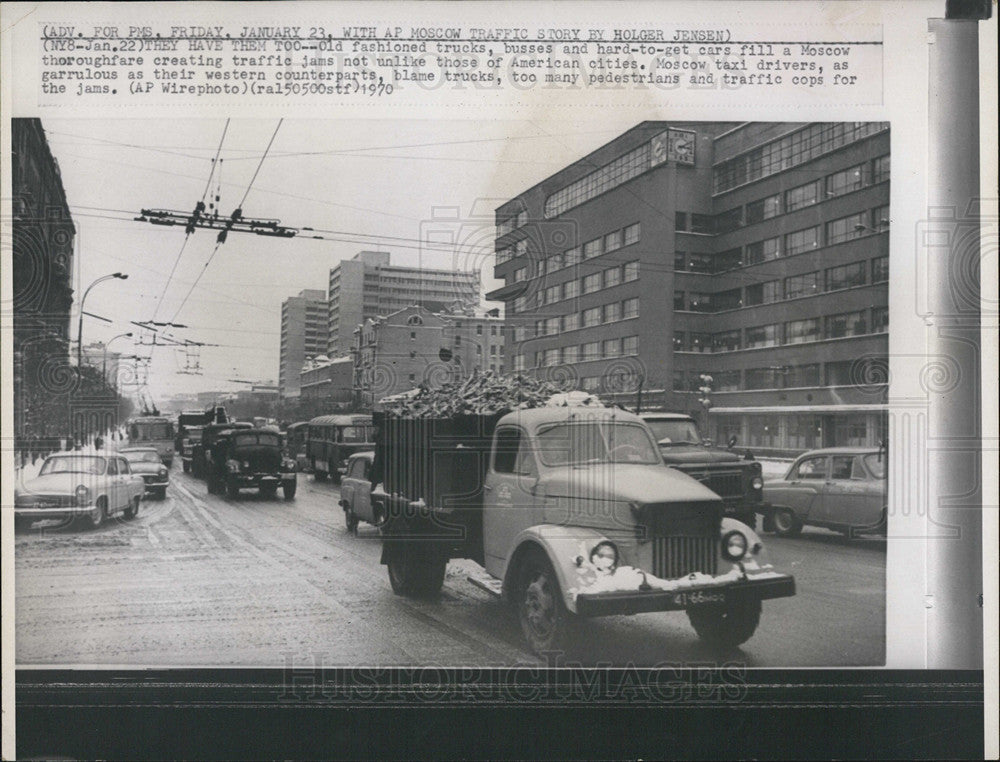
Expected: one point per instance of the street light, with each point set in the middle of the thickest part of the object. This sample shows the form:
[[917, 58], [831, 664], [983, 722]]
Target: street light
[[104, 366], [79, 328]]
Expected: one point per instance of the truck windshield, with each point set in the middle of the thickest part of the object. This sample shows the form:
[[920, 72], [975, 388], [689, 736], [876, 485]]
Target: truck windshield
[[576, 444], [675, 432], [250, 439]]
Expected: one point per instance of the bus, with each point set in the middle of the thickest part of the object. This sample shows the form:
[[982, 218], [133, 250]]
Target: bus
[[332, 439], [153, 431]]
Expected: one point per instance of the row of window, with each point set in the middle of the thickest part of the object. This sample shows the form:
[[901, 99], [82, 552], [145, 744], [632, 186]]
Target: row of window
[[792, 287], [842, 325], [512, 223], [790, 151], [611, 175], [613, 241], [838, 373], [589, 318], [588, 284], [591, 350]]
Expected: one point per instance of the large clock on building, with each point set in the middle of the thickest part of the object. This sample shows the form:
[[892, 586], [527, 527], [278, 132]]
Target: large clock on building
[[680, 146]]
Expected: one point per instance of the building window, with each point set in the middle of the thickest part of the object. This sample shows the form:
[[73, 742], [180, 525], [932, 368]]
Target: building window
[[763, 209], [612, 348], [880, 319], [880, 169], [846, 324], [852, 431], [763, 336], [804, 432], [551, 357], [800, 376], [727, 300], [414, 320], [763, 378], [413, 335], [553, 294], [845, 276], [802, 331], [570, 354], [504, 255], [844, 182], [571, 289], [728, 341], [552, 264], [762, 251], [880, 218], [726, 380], [571, 257], [763, 293], [590, 351], [678, 381], [592, 283], [591, 317], [802, 196], [613, 241], [679, 341], [592, 249], [521, 247], [632, 234], [699, 342], [612, 277], [479, 330], [571, 322], [520, 274], [479, 349], [630, 271], [679, 300], [701, 223], [847, 228], [630, 345], [802, 240], [728, 260], [680, 221], [552, 326], [611, 175], [730, 220], [801, 285], [700, 302], [630, 308]]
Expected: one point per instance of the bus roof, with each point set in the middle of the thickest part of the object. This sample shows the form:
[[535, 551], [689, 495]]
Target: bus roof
[[341, 420]]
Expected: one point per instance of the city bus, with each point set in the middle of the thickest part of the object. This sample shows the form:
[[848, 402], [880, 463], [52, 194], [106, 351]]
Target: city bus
[[153, 431], [332, 439]]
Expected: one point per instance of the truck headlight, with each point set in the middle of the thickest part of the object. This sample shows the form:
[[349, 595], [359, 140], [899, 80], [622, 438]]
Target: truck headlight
[[734, 545], [604, 556], [757, 483], [82, 495]]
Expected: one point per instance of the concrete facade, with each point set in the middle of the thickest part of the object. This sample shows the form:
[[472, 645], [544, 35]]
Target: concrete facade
[[328, 380], [303, 336]]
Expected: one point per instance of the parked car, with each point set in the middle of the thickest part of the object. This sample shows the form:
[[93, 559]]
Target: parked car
[[356, 492], [74, 485], [841, 488], [249, 459], [146, 462]]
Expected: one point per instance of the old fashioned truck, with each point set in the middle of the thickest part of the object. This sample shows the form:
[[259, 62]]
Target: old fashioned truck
[[572, 514]]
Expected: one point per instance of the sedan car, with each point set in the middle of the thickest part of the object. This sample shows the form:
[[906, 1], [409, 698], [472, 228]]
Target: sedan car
[[146, 462], [356, 492], [841, 488], [73, 485]]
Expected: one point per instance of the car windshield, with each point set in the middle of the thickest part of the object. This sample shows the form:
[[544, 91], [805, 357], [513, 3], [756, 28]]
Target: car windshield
[[74, 464], [875, 462], [675, 432], [142, 456], [586, 442], [251, 438]]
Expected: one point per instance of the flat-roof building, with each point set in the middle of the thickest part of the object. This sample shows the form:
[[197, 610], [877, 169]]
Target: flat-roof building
[[303, 336]]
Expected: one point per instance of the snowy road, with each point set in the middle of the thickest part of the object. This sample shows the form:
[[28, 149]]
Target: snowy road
[[199, 580]]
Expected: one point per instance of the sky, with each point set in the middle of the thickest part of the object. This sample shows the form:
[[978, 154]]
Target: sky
[[387, 184]]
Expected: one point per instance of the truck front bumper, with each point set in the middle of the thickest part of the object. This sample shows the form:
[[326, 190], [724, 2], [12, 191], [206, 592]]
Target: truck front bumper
[[642, 601]]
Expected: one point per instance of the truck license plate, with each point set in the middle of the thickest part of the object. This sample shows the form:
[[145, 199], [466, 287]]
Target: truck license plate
[[700, 598]]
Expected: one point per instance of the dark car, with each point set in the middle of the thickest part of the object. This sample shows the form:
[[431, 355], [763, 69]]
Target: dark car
[[840, 488], [146, 462], [250, 459], [736, 478]]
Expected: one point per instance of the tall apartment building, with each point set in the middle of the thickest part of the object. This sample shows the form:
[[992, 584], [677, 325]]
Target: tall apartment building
[[414, 346], [303, 335], [366, 286], [755, 253]]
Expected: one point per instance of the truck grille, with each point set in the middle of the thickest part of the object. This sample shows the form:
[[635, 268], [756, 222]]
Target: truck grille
[[675, 557], [725, 485]]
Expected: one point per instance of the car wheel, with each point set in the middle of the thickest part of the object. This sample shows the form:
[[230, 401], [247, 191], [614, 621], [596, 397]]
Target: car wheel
[[232, 489], [133, 508], [288, 490], [545, 622], [415, 573], [726, 626], [786, 523], [350, 519], [96, 517], [161, 493]]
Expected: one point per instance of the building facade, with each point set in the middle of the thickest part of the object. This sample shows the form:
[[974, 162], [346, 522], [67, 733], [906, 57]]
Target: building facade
[[367, 286], [415, 346], [755, 254], [303, 336], [97, 355], [328, 381]]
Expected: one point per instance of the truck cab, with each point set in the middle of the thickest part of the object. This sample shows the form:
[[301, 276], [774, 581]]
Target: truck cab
[[573, 514]]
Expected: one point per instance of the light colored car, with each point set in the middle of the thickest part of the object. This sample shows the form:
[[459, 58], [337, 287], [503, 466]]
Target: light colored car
[[76, 485], [146, 462], [356, 492], [841, 488]]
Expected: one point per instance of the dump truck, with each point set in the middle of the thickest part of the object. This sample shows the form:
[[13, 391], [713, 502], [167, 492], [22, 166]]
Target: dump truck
[[572, 513]]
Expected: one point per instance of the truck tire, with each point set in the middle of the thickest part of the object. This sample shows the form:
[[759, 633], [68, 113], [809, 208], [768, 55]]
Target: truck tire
[[210, 483], [786, 523], [187, 467], [545, 622], [232, 488], [726, 626], [415, 572], [288, 490]]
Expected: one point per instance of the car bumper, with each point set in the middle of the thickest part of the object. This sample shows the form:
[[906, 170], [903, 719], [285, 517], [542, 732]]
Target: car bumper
[[156, 485], [639, 601], [63, 512]]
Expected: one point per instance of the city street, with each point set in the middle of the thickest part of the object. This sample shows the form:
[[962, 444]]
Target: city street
[[200, 580]]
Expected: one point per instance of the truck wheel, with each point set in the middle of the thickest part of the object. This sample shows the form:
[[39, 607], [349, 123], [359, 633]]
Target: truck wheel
[[187, 467], [786, 523], [726, 626], [133, 508], [288, 490], [161, 493], [232, 489], [210, 484], [544, 619], [350, 519], [413, 573]]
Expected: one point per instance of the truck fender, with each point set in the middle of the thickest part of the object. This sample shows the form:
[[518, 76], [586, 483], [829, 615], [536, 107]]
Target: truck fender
[[562, 545], [754, 543]]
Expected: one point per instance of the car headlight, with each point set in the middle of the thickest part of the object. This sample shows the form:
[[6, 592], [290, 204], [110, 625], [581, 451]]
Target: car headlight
[[734, 545], [757, 483], [163, 472], [82, 495], [604, 556]]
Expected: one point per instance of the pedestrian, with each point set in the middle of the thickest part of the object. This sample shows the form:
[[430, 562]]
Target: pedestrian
[[98, 442]]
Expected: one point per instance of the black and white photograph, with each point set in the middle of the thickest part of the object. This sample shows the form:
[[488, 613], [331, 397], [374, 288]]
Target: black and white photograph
[[511, 401]]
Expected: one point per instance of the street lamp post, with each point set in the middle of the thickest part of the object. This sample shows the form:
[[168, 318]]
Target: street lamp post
[[104, 365], [79, 327]]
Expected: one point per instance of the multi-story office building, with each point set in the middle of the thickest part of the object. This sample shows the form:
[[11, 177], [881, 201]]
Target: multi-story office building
[[754, 253], [303, 335], [367, 286], [415, 346]]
